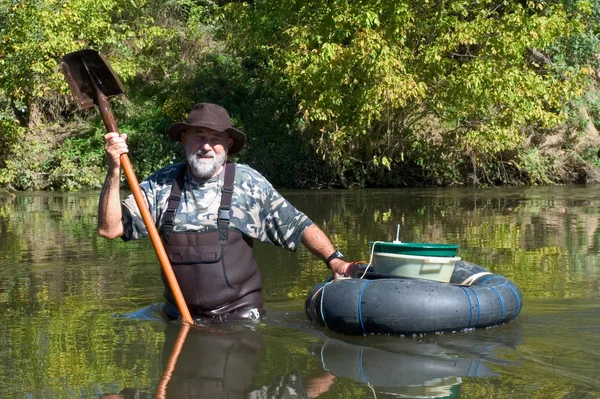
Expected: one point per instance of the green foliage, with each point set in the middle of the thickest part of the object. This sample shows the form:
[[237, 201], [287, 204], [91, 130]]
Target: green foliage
[[369, 76], [149, 147], [74, 164], [9, 133], [345, 94], [77, 163], [26, 172], [535, 166], [33, 90], [37, 33]]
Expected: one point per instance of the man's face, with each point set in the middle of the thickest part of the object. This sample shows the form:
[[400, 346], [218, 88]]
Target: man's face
[[206, 151]]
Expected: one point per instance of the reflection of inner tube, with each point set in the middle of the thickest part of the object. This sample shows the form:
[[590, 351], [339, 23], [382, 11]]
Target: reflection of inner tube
[[381, 304], [212, 364], [412, 363], [413, 369]]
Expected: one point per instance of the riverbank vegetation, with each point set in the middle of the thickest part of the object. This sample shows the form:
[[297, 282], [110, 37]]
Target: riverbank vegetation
[[375, 93]]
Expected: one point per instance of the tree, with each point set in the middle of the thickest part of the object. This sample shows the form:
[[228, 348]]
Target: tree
[[450, 88], [33, 92]]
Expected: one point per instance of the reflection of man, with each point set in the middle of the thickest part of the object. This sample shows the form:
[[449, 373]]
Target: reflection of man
[[208, 212], [293, 387], [212, 364], [203, 363], [128, 393], [223, 364]]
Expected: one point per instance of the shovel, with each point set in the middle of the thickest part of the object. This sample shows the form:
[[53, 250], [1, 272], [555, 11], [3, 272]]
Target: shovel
[[92, 81]]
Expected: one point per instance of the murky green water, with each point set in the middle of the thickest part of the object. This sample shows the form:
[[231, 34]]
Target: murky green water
[[61, 285]]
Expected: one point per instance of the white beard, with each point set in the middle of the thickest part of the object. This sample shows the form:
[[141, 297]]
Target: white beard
[[204, 168]]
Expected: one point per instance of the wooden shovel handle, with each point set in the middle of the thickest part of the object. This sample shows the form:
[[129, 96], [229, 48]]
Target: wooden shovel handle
[[154, 236], [111, 126]]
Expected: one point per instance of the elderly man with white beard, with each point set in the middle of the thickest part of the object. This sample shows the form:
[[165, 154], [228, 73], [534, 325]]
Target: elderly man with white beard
[[208, 212]]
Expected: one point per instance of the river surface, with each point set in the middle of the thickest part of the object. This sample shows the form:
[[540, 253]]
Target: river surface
[[78, 313]]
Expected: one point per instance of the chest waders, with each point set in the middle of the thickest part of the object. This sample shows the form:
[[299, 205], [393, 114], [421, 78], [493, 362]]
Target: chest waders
[[216, 270]]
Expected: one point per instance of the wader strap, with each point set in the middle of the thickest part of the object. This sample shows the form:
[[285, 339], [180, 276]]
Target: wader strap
[[173, 203], [225, 206], [224, 215]]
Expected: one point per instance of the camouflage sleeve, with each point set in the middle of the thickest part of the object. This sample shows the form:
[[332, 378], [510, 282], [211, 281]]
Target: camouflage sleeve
[[265, 214], [127, 220], [156, 190], [284, 224], [133, 224]]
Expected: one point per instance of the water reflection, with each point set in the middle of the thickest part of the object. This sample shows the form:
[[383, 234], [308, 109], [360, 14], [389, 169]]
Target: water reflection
[[60, 284], [419, 368], [407, 369], [212, 363], [222, 361]]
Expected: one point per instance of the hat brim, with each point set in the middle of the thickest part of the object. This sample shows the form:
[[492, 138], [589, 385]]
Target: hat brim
[[239, 138]]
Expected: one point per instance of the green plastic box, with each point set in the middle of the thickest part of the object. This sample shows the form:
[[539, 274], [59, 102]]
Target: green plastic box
[[414, 248], [415, 260]]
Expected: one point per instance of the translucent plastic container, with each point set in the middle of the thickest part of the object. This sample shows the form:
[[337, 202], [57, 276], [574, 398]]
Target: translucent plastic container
[[436, 268]]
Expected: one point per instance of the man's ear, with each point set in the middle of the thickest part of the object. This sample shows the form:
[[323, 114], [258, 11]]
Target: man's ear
[[229, 144]]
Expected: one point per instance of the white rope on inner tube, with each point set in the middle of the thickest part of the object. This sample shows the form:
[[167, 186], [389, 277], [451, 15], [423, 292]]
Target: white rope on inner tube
[[471, 279], [371, 258]]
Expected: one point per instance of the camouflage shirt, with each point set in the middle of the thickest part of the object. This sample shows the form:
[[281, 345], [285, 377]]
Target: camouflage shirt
[[257, 209]]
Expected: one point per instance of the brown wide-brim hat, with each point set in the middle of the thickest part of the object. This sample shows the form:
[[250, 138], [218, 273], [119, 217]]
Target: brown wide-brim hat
[[211, 116]]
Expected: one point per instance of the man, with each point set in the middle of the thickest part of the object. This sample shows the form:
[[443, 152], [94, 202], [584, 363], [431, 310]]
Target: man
[[208, 211]]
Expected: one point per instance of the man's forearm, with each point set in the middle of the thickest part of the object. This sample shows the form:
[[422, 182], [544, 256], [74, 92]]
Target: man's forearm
[[317, 242], [110, 224]]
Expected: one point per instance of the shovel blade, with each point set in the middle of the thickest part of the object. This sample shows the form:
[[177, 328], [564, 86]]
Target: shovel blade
[[86, 70]]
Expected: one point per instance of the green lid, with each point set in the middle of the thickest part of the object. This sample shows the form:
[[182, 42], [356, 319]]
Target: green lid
[[415, 248]]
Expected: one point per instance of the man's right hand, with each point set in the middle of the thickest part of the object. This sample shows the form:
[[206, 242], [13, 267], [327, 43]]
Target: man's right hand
[[339, 268], [115, 145]]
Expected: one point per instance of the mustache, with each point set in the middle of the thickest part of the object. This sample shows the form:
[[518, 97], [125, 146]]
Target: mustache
[[202, 153]]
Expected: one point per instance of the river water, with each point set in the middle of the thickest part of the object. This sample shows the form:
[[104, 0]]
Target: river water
[[78, 319]]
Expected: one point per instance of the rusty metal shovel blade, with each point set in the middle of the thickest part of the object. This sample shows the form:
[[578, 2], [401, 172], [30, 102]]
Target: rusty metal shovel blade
[[80, 67], [92, 81]]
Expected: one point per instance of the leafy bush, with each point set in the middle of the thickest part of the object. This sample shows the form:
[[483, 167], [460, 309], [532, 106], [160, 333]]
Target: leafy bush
[[330, 94], [368, 77]]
